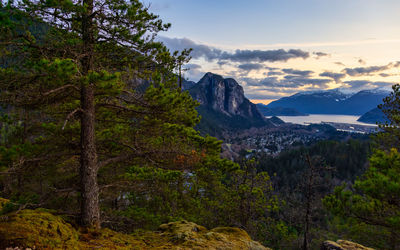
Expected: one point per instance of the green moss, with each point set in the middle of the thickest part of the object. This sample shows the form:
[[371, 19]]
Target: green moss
[[37, 228], [351, 245], [43, 230], [108, 239], [188, 235], [40, 229], [3, 202], [232, 231]]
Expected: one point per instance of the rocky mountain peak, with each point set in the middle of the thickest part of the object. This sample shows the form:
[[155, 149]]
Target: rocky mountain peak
[[223, 95], [223, 104]]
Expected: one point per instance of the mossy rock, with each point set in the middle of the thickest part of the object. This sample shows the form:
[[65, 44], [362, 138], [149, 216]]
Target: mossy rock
[[232, 231], [348, 245], [36, 228], [40, 229], [188, 235], [330, 245], [181, 231], [343, 245]]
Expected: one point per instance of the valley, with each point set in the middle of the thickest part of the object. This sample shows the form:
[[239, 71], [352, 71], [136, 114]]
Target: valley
[[230, 116]]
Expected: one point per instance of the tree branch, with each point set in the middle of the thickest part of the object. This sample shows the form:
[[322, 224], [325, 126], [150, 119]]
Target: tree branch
[[59, 89], [70, 115]]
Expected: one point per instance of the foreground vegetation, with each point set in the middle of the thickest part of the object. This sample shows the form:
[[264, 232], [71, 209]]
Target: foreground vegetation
[[41, 229]]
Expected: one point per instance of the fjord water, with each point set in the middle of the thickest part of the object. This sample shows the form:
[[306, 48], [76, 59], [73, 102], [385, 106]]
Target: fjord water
[[303, 120]]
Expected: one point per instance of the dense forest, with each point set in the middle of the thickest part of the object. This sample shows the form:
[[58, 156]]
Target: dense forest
[[95, 127]]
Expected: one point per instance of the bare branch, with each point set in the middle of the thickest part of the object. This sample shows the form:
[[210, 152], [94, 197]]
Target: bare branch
[[59, 89], [70, 115]]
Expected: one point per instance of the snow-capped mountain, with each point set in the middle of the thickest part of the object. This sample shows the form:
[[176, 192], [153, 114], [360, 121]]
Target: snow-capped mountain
[[332, 101]]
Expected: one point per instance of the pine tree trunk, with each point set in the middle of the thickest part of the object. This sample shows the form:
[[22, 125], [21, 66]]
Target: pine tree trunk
[[90, 212]]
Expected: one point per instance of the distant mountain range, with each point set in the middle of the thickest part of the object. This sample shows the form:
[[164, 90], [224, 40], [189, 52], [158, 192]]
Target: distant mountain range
[[223, 106], [266, 111], [332, 102]]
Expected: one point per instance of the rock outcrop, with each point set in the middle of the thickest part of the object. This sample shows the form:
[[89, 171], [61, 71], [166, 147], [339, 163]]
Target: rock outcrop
[[343, 245], [223, 106], [191, 236], [40, 229], [225, 96]]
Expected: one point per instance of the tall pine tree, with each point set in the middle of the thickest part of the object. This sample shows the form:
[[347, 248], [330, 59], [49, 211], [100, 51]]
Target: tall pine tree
[[69, 68]]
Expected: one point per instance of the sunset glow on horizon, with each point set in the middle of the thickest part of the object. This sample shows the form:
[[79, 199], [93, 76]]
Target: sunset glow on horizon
[[278, 48]]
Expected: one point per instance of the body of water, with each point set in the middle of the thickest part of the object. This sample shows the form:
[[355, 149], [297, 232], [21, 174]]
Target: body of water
[[304, 120]]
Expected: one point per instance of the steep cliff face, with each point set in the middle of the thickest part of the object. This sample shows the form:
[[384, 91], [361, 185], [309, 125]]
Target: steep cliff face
[[223, 104], [223, 95]]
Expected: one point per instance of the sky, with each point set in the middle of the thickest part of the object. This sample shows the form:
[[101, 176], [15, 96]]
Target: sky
[[276, 48]]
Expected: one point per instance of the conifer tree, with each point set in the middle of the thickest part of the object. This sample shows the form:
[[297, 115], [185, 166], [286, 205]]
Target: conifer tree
[[374, 199], [389, 137], [71, 65]]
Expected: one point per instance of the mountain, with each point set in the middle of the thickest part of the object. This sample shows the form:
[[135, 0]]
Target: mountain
[[223, 106], [276, 120], [364, 101], [373, 116], [187, 84], [332, 102], [278, 111]]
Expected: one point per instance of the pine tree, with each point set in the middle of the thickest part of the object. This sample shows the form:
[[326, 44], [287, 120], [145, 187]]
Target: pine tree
[[374, 199], [71, 65], [389, 136]]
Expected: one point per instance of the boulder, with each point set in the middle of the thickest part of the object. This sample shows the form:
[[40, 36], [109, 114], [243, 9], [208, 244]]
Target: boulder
[[188, 235], [342, 245]]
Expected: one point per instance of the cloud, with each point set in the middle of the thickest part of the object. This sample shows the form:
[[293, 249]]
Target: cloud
[[357, 85], [242, 56], [275, 73], [222, 63], [315, 82], [340, 64], [385, 75], [268, 81], [279, 55], [261, 96], [361, 71], [320, 54], [361, 61], [194, 71], [251, 66], [199, 50], [335, 76], [272, 68], [289, 81], [193, 66], [304, 73]]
